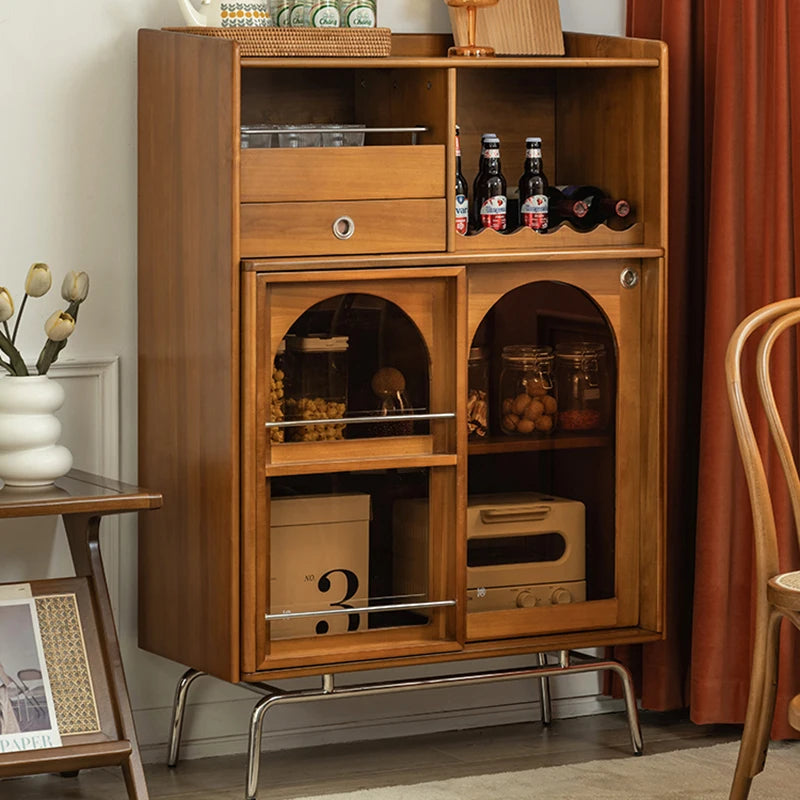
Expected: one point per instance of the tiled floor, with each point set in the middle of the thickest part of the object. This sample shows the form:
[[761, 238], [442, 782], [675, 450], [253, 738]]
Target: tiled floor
[[343, 768]]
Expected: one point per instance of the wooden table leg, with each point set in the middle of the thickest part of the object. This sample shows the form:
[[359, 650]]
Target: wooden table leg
[[83, 532]]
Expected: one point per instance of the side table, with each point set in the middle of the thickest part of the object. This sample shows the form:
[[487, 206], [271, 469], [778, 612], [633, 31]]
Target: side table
[[83, 659]]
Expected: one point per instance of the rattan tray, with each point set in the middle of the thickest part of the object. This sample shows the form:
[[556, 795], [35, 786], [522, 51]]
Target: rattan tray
[[271, 42]]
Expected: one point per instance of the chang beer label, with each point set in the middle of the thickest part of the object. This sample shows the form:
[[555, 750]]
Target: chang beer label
[[298, 14], [358, 13], [493, 212], [535, 212], [462, 214], [324, 14], [282, 13]]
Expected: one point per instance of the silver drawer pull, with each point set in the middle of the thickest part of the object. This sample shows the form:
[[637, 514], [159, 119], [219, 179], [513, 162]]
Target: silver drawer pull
[[344, 228]]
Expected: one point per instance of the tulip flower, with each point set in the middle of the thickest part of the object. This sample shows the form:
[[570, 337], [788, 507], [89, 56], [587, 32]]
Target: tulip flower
[[6, 304], [75, 287], [39, 280], [59, 326]]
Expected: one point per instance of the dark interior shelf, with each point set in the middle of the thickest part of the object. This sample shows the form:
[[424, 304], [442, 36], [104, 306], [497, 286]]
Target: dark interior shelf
[[524, 444]]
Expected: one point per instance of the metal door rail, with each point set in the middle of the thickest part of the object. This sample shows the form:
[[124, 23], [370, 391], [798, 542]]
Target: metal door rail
[[272, 696]]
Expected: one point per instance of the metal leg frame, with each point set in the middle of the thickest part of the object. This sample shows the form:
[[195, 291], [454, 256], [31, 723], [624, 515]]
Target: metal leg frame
[[568, 663]]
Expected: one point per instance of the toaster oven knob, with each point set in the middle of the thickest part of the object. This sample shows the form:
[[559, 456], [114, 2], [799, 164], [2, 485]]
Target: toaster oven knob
[[560, 596], [526, 599]]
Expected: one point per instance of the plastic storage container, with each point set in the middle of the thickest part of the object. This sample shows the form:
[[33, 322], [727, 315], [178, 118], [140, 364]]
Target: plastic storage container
[[528, 405], [316, 386], [582, 386], [478, 393]]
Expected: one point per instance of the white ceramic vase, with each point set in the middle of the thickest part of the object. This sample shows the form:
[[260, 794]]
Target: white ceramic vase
[[29, 431]]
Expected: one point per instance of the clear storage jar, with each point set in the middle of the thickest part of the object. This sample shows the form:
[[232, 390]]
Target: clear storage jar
[[316, 386], [582, 386], [277, 393], [478, 393], [527, 401]]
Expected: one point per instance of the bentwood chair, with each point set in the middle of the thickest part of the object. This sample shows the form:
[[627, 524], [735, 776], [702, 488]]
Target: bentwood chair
[[777, 594]]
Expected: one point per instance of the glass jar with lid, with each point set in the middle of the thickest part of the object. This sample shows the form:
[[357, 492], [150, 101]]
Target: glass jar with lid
[[316, 386], [276, 395], [582, 386], [528, 404], [478, 392]]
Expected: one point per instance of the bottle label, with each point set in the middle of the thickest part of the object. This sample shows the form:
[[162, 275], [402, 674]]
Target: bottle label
[[535, 212], [462, 214], [493, 212], [458, 146], [358, 13], [533, 152], [324, 14], [491, 152]]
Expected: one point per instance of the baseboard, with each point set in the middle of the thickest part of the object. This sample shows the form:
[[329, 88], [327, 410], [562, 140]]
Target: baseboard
[[412, 724]]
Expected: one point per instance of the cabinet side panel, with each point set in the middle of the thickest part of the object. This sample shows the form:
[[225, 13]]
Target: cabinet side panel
[[188, 346]]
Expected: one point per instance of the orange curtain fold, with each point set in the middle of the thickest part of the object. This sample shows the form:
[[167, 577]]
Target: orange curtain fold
[[734, 210]]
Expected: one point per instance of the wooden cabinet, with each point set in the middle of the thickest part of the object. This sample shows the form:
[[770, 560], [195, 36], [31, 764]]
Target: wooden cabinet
[[244, 250]]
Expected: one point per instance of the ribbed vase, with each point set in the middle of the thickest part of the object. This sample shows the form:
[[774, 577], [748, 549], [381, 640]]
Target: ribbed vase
[[29, 431]]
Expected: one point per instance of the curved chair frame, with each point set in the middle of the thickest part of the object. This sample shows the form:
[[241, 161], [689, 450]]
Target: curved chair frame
[[778, 594]]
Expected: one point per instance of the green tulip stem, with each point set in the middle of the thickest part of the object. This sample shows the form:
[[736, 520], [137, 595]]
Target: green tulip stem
[[6, 366], [19, 317], [17, 364]]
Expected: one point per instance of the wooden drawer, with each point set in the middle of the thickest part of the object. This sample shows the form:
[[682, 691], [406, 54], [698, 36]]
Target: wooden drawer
[[307, 229], [342, 173]]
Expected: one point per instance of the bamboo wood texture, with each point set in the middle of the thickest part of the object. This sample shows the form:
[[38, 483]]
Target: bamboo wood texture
[[514, 27], [189, 348], [343, 173], [377, 226], [777, 593], [602, 106]]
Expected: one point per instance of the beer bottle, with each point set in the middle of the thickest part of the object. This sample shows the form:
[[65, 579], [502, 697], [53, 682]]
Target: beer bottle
[[490, 200], [462, 191], [601, 207], [564, 209], [533, 202]]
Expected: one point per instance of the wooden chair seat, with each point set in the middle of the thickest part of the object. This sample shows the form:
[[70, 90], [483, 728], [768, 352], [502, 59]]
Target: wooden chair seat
[[794, 712], [783, 591]]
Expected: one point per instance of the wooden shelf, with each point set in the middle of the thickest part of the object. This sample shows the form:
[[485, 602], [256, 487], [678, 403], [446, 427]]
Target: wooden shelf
[[527, 444]]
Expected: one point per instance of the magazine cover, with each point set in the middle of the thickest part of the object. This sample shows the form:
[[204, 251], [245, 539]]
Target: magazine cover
[[27, 716]]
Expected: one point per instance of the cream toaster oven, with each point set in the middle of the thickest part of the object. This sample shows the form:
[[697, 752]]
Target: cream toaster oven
[[524, 550]]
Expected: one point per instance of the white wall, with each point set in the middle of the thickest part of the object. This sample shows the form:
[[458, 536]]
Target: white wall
[[68, 197]]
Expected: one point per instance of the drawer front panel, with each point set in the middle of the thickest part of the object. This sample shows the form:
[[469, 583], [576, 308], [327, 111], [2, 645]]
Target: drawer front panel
[[377, 226], [342, 173]]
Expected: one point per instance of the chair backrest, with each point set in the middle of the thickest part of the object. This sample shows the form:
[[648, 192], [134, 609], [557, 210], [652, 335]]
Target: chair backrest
[[30, 675], [780, 316]]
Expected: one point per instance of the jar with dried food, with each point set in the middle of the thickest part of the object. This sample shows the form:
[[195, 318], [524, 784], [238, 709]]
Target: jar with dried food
[[478, 393], [582, 386], [317, 387], [528, 405], [276, 395]]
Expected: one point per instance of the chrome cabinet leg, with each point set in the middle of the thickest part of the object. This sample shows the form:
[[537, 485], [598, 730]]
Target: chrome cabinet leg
[[254, 743], [544, 690], [630, 707], [178, 709]]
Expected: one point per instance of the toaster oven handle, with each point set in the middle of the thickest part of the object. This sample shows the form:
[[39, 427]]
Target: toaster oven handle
[[500, 514]]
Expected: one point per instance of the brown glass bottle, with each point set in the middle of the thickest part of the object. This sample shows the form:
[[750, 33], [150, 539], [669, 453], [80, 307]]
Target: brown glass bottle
[[533, 201], [462, 191], [490, 202], [563, 209]]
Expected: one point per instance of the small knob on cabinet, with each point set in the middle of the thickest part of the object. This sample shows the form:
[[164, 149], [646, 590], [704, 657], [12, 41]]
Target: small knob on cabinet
[[560, 596], [526, 599]]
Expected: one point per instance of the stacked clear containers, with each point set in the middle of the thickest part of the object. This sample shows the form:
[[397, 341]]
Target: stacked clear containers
[[528, 405], [316, 386], [582, 386], [478, 393]]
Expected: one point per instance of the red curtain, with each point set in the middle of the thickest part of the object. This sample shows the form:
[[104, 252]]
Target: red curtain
[[734, 207]]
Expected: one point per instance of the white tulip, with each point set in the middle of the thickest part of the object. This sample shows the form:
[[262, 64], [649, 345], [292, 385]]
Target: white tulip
[[6, 304], [75, 287], [59, 325], [39, 280]]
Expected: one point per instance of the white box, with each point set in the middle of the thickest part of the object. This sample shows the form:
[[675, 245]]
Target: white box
[[319, 559]]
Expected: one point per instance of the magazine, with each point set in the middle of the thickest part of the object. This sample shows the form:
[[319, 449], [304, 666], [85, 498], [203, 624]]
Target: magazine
[[27, 714]]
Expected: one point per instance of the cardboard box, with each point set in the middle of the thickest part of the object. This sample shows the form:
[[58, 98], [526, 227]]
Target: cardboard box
[[319, 559]]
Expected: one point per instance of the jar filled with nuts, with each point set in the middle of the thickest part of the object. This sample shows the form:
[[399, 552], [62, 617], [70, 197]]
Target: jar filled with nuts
[[478, 393], [317, 387], [528, 404], [582, 386], [276, 395]]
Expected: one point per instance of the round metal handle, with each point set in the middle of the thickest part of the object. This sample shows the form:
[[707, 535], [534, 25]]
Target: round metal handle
[[344, 228], [629, 278]]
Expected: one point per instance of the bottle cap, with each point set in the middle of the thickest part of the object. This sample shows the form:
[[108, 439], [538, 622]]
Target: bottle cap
[[489, 136], [534, 141]]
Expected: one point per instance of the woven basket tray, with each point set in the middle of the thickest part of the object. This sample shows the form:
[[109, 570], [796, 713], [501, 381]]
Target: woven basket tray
[[352, 42]]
